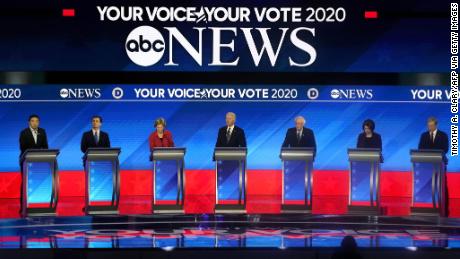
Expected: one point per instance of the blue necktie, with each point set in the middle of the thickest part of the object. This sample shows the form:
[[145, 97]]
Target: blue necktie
[[96, 138]]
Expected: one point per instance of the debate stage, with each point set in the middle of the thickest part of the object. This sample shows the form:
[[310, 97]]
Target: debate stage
[[261, 233]]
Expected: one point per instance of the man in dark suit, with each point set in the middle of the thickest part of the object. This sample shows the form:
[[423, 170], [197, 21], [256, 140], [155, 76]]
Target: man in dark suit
[[33, 137], [231, 135], [434, 138], [95, 137], [299, 136]]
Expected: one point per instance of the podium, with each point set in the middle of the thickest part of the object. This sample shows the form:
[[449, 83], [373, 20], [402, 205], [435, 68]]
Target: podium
[[428, 189], [297, 179], [168, 180], [40, 182], [364, 180], [102, 170], [230, 179]]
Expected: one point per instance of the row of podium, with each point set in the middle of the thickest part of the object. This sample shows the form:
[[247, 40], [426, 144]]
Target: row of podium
[[40, 186]]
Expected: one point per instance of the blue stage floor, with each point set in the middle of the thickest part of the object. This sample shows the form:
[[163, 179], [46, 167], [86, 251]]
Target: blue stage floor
[[230, 231]]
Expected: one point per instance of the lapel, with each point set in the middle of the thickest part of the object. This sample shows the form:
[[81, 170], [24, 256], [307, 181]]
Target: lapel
[[93, 141], [303, 133], [39, 135], [30, 136]]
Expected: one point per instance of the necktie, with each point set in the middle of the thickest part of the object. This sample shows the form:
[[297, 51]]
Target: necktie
[[96, 137], [229, 134], [432, 137], [298, 136]]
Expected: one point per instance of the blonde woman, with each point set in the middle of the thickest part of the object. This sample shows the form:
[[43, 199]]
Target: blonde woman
[[161, 137]]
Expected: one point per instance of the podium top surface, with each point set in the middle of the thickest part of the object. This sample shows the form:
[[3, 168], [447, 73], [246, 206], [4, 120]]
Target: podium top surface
[[427, 155], [41, 154], [230, 153], [168, 153], [298, 153], [365, 154], [102, 153]]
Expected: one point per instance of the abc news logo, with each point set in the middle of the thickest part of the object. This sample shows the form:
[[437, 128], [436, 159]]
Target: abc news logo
[[80, 93], [352, 94], [145, 45]]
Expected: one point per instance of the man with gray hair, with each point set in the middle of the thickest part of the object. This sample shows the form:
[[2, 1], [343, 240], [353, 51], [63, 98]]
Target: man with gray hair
[[231, 135], [299, 136], [434, 138]]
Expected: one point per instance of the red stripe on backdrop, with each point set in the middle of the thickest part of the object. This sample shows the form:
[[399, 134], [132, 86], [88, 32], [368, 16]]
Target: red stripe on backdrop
[[330, 193], [136, 182], [10, 184], [264, 191], [395, 193], [453, 187]]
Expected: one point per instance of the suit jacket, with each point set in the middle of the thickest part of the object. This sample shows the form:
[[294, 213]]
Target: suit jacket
[[237, 139], [306, 140], [441, 141], [166, 141], [373, 142], [26, 140], [88, 141]]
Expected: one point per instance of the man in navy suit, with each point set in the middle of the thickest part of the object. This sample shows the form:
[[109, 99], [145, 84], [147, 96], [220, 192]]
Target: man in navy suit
[[434, 138], [299, 136], [231, 135], [95, 137], [33, 137]]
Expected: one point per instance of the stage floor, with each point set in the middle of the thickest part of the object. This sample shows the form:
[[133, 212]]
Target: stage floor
[[168, 232]]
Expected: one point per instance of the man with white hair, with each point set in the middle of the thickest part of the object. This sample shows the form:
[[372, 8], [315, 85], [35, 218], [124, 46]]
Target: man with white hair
[[231, 135], [299, 136]]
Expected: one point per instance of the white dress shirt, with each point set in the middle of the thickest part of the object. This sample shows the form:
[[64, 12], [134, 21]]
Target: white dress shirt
[[34, 134]]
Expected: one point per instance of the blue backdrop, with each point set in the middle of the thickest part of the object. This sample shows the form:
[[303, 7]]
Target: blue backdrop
[[194, 125]]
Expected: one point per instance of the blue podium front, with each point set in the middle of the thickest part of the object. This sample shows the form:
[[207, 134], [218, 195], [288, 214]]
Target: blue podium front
[[429, 187], [364, 180], [168, 180], [230, 180], [297, 179], [102, 170], [40, 182]]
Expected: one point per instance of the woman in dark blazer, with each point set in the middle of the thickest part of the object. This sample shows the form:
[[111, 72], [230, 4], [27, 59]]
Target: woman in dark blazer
[[368, 138], [161, 137]]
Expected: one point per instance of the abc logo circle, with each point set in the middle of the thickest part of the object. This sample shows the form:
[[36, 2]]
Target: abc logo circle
[[335, 93], [145, 46], [64, 93]]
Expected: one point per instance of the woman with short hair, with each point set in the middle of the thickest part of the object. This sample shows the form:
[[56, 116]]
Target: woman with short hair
[[161, 137], [368, 138]]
